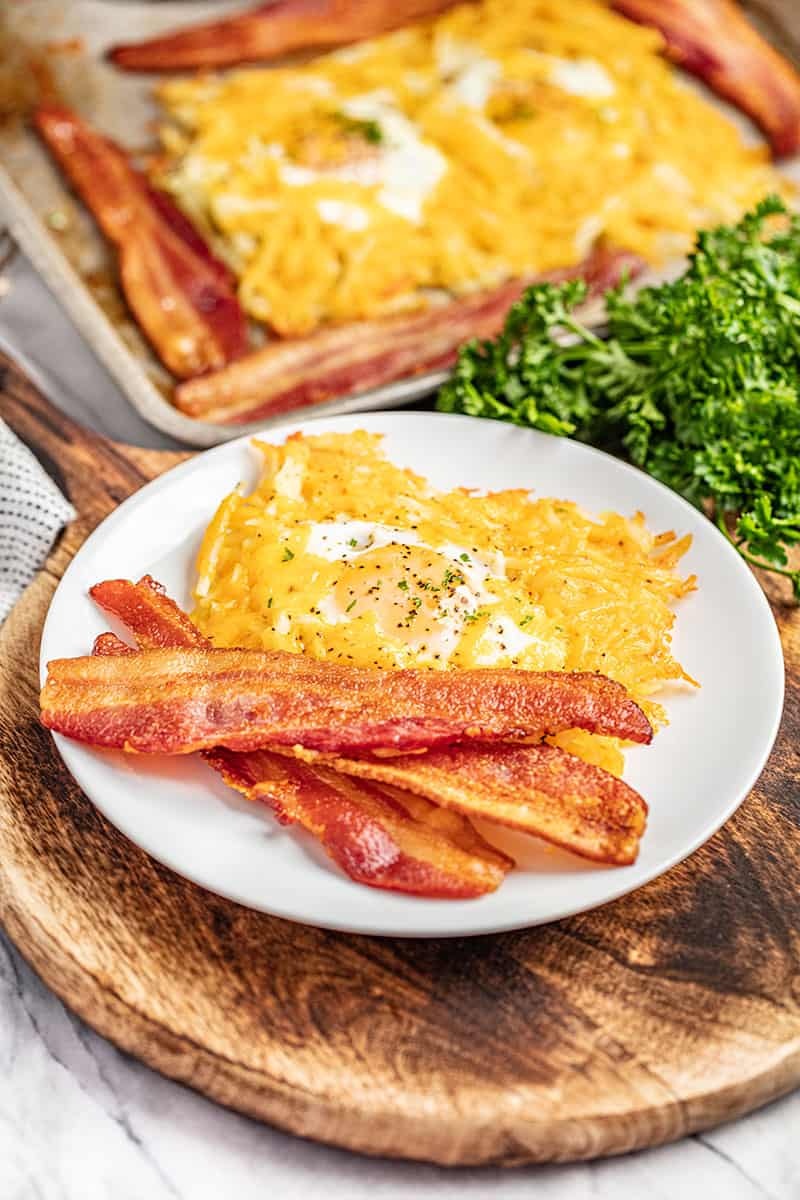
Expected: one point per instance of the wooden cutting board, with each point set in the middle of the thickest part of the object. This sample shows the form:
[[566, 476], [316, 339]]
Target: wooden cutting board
[[668, 1011]]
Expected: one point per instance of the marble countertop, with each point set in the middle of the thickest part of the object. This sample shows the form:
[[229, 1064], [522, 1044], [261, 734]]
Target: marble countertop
[[81, 1121]]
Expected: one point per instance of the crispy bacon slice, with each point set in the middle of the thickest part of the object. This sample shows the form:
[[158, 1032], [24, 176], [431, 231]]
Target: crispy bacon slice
[[713, 40], [106, 644], [156, 620], [378, 835], [540, 790], [271, 30], [183, 297], [290, 374], [176, 701]]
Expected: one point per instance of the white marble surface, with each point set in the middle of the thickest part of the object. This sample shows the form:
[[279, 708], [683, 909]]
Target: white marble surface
[[81, 1121]]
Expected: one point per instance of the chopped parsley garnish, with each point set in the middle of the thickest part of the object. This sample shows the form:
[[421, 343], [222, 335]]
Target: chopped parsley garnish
[[353, 542], [403, 585], [452, 578], [350, 606], [526, 621], [368, 129], [697, 381], [464, 558], [288, 554], [475, 616], [521, 111]]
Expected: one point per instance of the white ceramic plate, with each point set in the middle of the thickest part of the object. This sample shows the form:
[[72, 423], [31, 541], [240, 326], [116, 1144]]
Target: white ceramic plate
[[696, 773]]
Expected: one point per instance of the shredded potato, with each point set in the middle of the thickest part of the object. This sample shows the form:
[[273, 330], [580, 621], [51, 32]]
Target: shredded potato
[[341, 554], [500, 139]]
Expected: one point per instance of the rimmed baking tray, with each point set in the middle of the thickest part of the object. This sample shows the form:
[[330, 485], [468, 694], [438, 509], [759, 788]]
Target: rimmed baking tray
[[59, 237]]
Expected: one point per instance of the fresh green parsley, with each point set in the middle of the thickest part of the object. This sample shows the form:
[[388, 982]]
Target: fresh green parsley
[[369, 130], [697, 381], [471, 617], [288, 554], [350, 606], [452, 577]]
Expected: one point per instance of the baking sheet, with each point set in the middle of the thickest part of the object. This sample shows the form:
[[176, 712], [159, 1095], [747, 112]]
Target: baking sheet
[[75, 262]]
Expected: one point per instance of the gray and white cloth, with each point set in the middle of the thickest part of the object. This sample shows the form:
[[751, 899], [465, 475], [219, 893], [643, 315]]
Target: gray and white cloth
[[32, 512]]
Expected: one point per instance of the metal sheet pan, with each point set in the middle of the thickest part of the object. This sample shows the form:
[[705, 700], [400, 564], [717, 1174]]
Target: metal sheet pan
[[75, 262]]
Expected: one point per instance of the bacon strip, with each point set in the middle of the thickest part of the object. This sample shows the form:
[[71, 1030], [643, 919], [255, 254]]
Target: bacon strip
[[106, 644], [713, 40], [539, 790], [183, 297], [177, 701], [156, 620], [271, 30], [285, 375], [379, 836]]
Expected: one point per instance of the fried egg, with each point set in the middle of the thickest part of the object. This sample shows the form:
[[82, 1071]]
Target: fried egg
[[420, 599]]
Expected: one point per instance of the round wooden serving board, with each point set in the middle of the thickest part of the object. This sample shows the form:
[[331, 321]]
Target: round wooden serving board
[[665, 1012]]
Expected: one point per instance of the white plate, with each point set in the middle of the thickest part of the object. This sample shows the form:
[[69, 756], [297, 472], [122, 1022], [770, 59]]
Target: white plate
[[696, 773]]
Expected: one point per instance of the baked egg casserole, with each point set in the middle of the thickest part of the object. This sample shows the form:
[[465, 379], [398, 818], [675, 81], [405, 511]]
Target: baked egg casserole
[[498, 140]]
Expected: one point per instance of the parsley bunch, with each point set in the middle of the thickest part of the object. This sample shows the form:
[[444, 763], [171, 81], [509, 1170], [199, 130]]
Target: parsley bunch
[[697, 382]]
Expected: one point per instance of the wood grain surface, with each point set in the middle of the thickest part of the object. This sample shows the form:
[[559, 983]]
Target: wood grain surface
[[671, 1010]]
